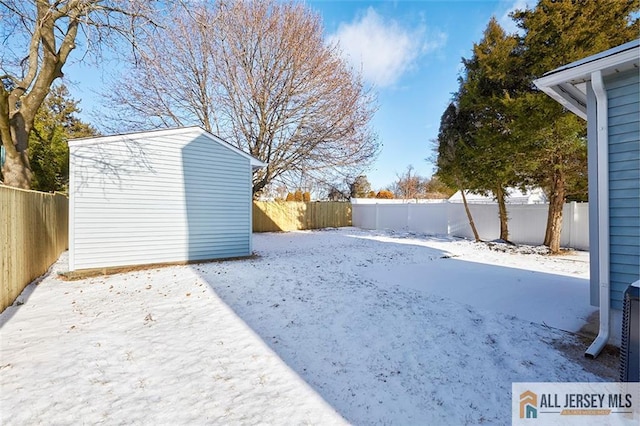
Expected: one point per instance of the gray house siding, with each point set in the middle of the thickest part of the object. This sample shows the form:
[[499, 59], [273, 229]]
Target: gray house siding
[[624, 182], [157, 197]]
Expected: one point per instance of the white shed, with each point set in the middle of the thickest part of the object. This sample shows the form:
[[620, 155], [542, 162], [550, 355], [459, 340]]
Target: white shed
[[164, 196]]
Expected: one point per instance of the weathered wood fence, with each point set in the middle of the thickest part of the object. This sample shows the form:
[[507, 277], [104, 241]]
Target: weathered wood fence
[[33, 233], [290, 216]]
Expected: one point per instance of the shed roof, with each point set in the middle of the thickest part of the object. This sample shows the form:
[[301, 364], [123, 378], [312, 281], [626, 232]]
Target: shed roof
[[197, 130], [567, 84]]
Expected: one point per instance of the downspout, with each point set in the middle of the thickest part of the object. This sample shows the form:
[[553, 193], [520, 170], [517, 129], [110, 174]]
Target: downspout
[[602, 143]]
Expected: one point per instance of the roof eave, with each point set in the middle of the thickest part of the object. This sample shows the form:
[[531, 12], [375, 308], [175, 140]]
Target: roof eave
[[257, 164], [561, 83], [572, 101]]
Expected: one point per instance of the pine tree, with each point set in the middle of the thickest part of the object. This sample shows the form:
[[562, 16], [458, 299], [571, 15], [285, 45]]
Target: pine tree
[[454, 157], [360, 187], [485, 117], [559, 32], [55, 123]]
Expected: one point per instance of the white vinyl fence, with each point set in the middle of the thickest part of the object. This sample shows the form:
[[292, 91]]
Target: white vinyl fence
[[527, 222]]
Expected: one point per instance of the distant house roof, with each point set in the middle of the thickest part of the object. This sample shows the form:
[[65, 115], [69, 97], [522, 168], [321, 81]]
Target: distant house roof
[[567, 84], [514, 196], [255, 163]]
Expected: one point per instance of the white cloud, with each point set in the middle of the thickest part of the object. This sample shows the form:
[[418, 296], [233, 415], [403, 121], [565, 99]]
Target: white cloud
[[383, 49], [505, 20]]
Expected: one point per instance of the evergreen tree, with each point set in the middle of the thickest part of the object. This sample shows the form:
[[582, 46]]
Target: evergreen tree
[[454, 157], [55, 123], [492, 153], [558, 32], [360, 187]]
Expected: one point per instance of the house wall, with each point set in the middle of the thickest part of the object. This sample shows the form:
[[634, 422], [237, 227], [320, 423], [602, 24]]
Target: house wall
[[165, 197], [624, 182]]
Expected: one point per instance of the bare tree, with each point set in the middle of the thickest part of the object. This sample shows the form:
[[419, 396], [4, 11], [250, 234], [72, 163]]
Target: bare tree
[[260, 75], [410, 185], [37, 38]]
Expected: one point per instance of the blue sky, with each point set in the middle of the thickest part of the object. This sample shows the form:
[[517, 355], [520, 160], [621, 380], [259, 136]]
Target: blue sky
[[409, 53]]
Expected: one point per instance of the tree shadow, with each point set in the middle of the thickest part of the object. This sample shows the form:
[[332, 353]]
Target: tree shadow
[[97, 166], [361, 337]]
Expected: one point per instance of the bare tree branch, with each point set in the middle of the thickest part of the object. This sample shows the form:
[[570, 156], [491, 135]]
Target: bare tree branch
[[44, 33], [261, 76]]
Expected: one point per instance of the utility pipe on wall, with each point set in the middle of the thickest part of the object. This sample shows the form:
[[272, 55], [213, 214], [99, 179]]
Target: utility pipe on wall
[[602, 143]]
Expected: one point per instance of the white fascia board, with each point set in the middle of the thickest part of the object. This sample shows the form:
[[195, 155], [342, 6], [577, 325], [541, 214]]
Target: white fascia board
[[255, 163], [580, 73], [131, 136], [564, 84]]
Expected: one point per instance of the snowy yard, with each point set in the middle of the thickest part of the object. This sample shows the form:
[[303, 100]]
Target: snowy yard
[[324, 327]]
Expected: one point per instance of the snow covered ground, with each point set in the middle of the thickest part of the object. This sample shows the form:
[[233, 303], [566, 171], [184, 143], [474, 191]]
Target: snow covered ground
[[322, 327]]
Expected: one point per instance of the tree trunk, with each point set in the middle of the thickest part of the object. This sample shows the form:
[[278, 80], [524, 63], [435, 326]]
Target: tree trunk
[[471, 223], [554, 217], [502, 212], [16, 170]]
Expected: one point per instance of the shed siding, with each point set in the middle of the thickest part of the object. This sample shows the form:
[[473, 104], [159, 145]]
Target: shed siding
[[164, 198], [624, 182]]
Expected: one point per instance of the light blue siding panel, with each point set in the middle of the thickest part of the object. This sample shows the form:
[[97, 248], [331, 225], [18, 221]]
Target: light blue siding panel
[[628, 211], [626, 139], [617, 92], [616, 299], [626, 221], [623, 279], [622, 171], [626, 250], [624, 184], [624, 176], [625, 99], [622, 80], [623, 203], [166, 197], [626, 231], [627, 259], [632, 127], [628, 115], [631, 155]]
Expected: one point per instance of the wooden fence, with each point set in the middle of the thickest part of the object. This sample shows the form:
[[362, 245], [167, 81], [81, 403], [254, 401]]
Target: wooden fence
[[33, 233], [290, 215]]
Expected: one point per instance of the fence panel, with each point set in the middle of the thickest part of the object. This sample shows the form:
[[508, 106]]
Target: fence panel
[[271, 216], [527, 222], [33, 233], [431, 220], [575, 226]]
